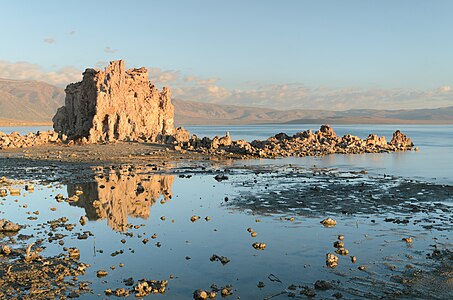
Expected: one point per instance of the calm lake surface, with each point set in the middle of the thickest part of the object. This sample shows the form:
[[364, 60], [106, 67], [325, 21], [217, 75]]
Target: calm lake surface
[[152, 234], [433, 161]]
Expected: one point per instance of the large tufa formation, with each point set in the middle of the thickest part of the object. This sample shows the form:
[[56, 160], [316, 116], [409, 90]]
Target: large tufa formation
[[115, 105]]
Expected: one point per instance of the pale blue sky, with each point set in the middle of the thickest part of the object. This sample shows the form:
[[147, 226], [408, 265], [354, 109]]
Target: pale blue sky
[[364, 45]]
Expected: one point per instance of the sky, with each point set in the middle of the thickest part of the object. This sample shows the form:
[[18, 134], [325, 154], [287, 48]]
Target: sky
[[391, 54]]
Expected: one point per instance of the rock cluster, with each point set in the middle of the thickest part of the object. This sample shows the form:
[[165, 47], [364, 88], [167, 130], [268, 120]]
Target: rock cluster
[[8, 226], [15, 140], [115, 105], [322, 142]]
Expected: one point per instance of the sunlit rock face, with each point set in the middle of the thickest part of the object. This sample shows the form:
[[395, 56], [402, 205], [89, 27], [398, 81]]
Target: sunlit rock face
[[115, 104], [118, 196]]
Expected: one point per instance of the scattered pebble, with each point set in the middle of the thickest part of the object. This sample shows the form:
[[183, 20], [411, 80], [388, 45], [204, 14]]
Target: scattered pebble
[[259, 246]]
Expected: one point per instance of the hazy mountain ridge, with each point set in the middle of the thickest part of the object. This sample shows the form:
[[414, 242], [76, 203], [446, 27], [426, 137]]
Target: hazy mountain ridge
[[30, 101], [34, 102]]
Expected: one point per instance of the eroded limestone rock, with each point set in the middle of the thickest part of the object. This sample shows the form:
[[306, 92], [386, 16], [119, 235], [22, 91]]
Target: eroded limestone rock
[[115, 104]]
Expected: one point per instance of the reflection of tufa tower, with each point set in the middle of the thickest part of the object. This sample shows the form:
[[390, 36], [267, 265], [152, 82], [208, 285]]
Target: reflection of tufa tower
[[122, 195], [115, 104]]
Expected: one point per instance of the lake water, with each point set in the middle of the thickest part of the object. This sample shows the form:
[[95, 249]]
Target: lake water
[[433, 161], [139, 220]]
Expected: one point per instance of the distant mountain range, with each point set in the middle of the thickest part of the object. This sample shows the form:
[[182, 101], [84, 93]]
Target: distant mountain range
[[30, 102], [33, 102]]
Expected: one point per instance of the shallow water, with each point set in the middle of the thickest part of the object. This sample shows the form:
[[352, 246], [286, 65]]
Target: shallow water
[[295, 252], [433, 161], [376, 199], [23, 130]]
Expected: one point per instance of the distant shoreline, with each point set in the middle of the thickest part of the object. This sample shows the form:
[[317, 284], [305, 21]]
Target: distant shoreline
[[23, 124], [301, 122]]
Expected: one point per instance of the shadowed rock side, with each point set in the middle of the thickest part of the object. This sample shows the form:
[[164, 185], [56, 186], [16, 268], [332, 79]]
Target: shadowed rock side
[[115, 104], [117, 196], [322, 142]]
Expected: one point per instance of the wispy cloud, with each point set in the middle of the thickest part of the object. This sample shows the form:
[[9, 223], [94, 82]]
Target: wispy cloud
[[159, 76], [278, 96], [298, 95], [28, 71], [445, 89], [110, 50], [72, 32], [49, 40]]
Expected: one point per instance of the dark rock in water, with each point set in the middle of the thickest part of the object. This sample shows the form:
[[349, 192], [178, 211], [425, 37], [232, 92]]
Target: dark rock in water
[[223, 259], [8, 226], [323, 285], [221, 177]]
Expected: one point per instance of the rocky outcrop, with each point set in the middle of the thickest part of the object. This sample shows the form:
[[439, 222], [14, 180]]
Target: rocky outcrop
[[401, 140], [15, 140], [115, 105], [322, 142]]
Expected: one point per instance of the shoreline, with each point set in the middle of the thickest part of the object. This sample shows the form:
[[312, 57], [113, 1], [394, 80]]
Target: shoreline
[[235, 124]]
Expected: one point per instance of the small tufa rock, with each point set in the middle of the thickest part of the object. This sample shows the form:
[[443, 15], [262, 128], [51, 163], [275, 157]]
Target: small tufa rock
[[101, 273], [329, 222], [331, 260], [408, 240], [29, 187], [145, 287], [8, 226], [221, 177], [226, 291], [259, 246], [223, 259], [342, 251], [338, 244], [74, 253], [83, 220], [323, 285], [6, 250], [200, 294], [14, 192]]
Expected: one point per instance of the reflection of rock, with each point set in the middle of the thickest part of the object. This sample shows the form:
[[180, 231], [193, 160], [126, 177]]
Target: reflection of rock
[[120, 196]]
